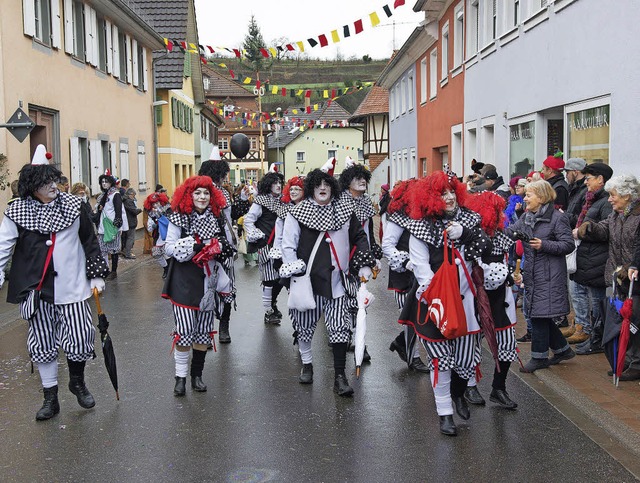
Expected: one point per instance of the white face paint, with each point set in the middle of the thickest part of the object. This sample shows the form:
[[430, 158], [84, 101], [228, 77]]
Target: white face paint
[[105, 184], [296, 193], [450, 201], [322, 193], [201, 199], [276, 189], [47, 192], [358, 186]]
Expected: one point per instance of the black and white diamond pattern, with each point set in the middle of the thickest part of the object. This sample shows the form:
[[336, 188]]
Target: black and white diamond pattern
[[53, 217], [501, 243], [363, 208], [204, 225], [431, 231], [401, 219], [284, 209], [324, 218], [269, 202], [227, 196]]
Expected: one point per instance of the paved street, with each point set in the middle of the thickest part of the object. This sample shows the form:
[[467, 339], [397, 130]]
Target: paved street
[[257, 423]]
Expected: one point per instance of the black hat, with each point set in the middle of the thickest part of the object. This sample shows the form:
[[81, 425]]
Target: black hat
[[491, 174], [476, 167], [598, 169]]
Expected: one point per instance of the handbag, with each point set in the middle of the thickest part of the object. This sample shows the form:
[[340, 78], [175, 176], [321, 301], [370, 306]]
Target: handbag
[[301, 296], [30, 305], [242, 246], [572, 259], [443, 298], [110, 230]]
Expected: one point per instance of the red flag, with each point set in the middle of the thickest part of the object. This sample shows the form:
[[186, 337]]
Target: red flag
[[307, 93], [398, 3], [264, 52], [204, 61], [233, 76], [184, 45], [289, 47], [258, 84], [333, 93], [169, 45], [284, 91], [237, 52], [329, 103], [323, 40], [308, 109], [358, 25], [211, 49]]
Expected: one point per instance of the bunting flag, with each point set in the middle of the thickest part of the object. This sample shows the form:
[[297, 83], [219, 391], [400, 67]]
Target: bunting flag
[[290, 47]]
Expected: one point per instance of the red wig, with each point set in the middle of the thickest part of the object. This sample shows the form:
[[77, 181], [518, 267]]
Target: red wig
[[154, 198], [295, 181], [400, 196], [182, 201], [425, 197], [490, 207]]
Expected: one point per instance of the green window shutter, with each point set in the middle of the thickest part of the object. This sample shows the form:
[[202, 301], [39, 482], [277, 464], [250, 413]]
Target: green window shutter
[[158, 115], [174, 112], [187, 64]]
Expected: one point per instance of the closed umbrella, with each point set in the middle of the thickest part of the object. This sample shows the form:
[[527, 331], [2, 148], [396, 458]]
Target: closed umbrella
[[612, 327], [484, 312], [625, 333], [107, 345], [364, 300]]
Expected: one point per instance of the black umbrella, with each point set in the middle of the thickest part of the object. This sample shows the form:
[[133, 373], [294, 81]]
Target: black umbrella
[[107, 345]]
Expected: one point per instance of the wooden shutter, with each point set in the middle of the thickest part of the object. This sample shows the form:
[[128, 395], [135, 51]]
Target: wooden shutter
[[95, 45], [142, 168], [29, 17], [95, 159], [76, 165], [145, 71], [134, 64], [107, 35], [124, 160], [116, 53], [113, 154], [88, 39], [129, 76], [68, 26], [56, 34]]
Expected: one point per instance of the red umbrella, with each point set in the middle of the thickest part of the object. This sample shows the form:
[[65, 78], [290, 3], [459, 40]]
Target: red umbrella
[[484, 312], [625, 332]]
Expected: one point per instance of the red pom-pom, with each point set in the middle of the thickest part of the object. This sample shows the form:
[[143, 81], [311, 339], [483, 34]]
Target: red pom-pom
[[49, 156]]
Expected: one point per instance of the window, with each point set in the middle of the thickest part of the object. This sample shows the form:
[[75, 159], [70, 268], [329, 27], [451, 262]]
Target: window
[[494, 20], [106, 158], [458, 36], [300, 157], [511, 17], [124, 159], [423, 81], [403, 95], [521, 148], [43, 21], [516, 12], [223, 144], [141, 68], [142, 167], [74, 41], [331, 153], [488, 149], [80, 165], [445, 51], [473, 28], [433, 73], [102, 44], [90, 35], [410, 91], [456, 149], [122, 56], [588, 132], [471, 143], [205, 83]]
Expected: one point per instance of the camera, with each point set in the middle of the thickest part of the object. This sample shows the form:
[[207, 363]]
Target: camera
[[522, 236]]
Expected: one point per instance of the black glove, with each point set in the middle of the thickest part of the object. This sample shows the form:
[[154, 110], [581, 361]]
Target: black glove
[[197, 247], [117, 222]]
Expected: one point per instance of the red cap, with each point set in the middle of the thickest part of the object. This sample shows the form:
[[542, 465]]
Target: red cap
[[554, 163]]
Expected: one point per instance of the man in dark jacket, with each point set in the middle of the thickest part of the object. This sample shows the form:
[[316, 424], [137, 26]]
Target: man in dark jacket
[[552, 171], [587, 284], [129, 237], [577, 188], [495, 183]]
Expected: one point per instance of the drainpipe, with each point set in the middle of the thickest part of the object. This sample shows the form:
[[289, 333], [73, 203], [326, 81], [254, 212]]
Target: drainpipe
[[154, 104]]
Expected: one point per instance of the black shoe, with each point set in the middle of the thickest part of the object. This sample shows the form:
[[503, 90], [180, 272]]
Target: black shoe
[[366, 357], [395, 347], [180, 389], [447, 426], [535, 364], [271, 318], [165, 272], [501, 397], [473, 396], [525, 338], [418, 366], [630, 375], [197, 385], [50, 406], [341, 386], [306, 374], [223, 332], [461, 407], [587, 348], [563, 356], [276, 312], [79, 389]]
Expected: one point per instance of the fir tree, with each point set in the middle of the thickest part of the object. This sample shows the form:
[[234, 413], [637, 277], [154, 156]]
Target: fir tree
[[253, 42]]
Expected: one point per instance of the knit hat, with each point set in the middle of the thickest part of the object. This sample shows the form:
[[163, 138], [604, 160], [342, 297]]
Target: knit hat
[[513, 182], [556, 164]]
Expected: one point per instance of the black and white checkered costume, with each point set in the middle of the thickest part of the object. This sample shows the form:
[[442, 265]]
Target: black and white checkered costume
[[63, 319], [259, 225]]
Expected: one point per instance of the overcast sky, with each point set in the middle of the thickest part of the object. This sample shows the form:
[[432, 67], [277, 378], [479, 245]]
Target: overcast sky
[[225, 24]]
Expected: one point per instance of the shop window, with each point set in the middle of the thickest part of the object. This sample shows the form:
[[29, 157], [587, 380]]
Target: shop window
[[521, 148], [588, 132]]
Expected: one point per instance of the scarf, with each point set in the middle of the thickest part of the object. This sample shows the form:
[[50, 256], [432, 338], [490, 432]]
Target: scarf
[[205, 225], [589, 198], [630, 208], [55, 216], [531, 218]]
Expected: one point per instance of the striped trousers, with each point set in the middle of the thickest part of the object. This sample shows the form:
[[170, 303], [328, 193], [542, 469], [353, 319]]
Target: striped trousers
[[268, 273], [336, 318], [66, 326], [507, 344], [400, 297], [193, 326], [462, 354]]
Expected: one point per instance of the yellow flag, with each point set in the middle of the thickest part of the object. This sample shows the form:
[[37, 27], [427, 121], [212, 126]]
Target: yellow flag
[[335, 37], [274, 52], [224, 66], [274, 90], [374, 19], [247, 80], [295, 111], [325, 94], [300, 46], [345, 90], [193, 46], [315, 107], [302, 128], [299, 92]]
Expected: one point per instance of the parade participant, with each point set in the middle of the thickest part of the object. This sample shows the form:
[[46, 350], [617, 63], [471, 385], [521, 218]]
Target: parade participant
[[132, 210], [217, 169], [435, 207], [157, 206], [323, 230], [292, 194], [395, 246], [503, 306], [260, 228], [56, 264], [195, 287], [112, 221]]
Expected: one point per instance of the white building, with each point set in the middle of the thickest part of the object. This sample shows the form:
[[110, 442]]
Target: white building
[[548, 75]]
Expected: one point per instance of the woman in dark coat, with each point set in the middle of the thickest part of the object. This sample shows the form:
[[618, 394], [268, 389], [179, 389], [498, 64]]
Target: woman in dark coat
[[547, 233]]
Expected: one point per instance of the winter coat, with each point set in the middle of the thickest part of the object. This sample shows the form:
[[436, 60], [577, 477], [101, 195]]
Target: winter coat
[[622, 234], [561, 188], [577, 194], [499, 187], [132, 212], [592, 255], [545, 273]]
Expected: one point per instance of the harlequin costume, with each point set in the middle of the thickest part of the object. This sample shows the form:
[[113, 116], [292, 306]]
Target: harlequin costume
[[55, 265], [342, 248], [452, 361], [111, 210], [260, 230], [195, 285], [157, 206]]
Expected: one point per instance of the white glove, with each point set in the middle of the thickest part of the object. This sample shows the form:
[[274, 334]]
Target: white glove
[[244, 195], [454, 230], [365, 273], [409, 266], [378, 265], [97, 283], [275, 253]]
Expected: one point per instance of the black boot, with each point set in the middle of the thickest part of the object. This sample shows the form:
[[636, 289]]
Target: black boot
[[77, 385], [197, 365], [461, 407], [276, 312], [501, 397], [458, 388], [180, 389], [447, 426], [306, 374], [50, 406], [340, 385], [398, 345], [223, 332], [473, 396]]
